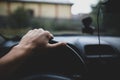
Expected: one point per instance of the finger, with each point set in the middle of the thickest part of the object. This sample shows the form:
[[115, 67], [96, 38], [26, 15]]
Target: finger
[[56, 45], [34, 32], [48, 35], [40, 29], [37, 31]]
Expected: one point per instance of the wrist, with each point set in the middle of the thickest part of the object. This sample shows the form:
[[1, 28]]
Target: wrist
[[24, 48]]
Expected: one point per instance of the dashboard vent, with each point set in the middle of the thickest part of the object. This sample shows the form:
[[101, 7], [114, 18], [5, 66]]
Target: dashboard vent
[[99, 50]]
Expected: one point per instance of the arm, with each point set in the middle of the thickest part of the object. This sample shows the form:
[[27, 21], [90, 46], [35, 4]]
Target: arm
[[31, 40]]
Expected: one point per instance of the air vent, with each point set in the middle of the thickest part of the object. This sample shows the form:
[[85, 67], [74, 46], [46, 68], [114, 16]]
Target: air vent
[[99, 50]]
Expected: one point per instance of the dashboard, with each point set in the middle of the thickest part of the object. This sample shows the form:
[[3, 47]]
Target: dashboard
[[102, 58], [99, 60]]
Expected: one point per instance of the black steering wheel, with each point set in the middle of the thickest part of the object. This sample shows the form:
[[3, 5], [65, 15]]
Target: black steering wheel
[[55, 76], [46, 77]]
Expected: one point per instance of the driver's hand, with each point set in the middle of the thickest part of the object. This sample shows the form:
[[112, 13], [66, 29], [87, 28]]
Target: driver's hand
[[38, 38], [33, 39]]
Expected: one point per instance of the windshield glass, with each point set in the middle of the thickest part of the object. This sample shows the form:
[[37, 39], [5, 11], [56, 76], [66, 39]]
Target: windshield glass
[[61, 17], [1, 40]]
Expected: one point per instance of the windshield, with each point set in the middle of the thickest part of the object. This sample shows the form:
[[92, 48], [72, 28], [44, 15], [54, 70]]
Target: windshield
[[1, 39], [61, 17]]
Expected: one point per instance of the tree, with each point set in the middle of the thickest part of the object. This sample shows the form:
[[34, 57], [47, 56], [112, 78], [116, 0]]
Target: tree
[[19, 18]]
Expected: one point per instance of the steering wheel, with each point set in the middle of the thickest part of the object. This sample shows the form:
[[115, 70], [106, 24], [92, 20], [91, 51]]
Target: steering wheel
[[46, 77], [55, 76]]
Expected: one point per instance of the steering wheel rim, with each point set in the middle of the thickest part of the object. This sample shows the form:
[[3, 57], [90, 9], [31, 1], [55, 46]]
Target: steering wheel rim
[[46, 77], [75, 52]]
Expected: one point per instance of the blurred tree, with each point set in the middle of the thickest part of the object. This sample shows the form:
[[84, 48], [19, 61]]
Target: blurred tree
[[35, 23], [19, 18]]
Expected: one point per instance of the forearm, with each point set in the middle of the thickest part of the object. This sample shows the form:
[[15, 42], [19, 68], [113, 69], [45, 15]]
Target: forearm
[[12, 60]]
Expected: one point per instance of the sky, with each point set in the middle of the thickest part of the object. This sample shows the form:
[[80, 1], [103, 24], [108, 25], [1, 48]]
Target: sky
[[82, 6], [79, 6]]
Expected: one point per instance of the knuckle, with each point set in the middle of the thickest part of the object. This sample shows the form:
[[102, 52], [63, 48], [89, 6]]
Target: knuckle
[[47, 32], [40, 29]]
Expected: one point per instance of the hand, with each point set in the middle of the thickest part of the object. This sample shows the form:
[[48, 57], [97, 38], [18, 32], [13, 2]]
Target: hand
[[31, 40], [38, 38]]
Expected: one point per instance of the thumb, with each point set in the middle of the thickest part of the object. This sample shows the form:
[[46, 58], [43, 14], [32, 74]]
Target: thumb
[[56, 44]]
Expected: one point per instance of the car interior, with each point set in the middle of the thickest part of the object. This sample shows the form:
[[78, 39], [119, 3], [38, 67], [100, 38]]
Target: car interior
[[95, 57]]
